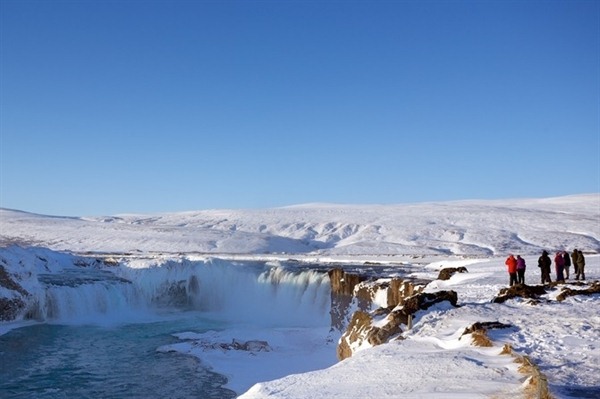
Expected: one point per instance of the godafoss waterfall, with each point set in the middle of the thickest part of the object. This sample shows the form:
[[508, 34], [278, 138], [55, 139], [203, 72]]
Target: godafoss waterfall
[[91, 326]]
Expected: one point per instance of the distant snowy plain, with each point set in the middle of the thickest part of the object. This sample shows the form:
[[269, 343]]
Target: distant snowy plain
[[563, 338], [469, 228]]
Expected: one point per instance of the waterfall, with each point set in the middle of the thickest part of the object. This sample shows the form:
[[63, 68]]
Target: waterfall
[[246, 292]]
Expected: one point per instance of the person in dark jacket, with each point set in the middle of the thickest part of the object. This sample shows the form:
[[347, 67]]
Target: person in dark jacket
[[574, 260], [544, 263], [559, 264], [567, 260], [520, 270], [580, 266]]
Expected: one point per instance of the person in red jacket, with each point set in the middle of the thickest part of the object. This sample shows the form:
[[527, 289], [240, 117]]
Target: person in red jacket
[[511, 262]]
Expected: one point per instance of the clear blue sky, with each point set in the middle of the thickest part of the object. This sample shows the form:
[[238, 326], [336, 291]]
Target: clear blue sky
[[157, 106]]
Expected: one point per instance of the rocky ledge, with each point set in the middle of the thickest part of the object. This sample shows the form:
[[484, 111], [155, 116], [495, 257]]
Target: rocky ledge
[[373, 312]]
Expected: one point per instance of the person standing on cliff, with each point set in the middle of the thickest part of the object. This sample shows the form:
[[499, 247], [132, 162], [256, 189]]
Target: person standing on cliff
[[580, 266], [544, 263], [559, 264], [574, 260], [520, 270], [567, 259], [511, 262]]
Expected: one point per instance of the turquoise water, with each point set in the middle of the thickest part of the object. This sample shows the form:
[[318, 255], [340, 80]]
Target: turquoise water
[[75, 361]]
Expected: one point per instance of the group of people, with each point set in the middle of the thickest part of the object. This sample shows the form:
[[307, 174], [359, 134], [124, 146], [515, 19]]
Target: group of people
[[562, 262]]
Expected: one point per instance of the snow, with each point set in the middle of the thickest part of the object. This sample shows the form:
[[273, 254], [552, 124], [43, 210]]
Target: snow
[[471, 228], [410, 369], [433, 360]]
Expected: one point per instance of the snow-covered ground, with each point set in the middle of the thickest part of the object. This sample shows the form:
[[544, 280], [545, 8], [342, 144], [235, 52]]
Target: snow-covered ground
[[562, 338]]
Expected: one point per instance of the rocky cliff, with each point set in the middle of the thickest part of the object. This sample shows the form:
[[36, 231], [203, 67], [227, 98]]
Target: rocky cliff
[[373, 312], [13, 302]]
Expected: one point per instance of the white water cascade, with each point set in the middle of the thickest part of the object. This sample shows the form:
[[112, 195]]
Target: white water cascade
[[244, 292]]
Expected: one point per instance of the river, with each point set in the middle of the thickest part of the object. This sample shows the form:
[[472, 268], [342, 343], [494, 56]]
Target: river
[[88, 361]]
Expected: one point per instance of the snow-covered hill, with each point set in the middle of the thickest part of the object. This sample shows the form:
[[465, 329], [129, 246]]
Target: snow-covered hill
[[471, 228]]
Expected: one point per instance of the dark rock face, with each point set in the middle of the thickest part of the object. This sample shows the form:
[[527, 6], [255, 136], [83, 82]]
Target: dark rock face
[[424, 301], [7, 282], [10, 308], [520, 290], [342, 295], [448, 272]]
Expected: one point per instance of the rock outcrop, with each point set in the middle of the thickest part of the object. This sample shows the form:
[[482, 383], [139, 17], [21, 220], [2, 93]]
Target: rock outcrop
[[342, 296], [237, 345], [10, 308], [351, 292], [594, 288], [478, 332], [448, 272], [520, 290], [534, 292], [381, 310]]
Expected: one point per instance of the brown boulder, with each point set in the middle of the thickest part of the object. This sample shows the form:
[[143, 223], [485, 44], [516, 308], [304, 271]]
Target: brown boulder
[[424, 301], [448, 272], [478, 332], [520, 290]]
